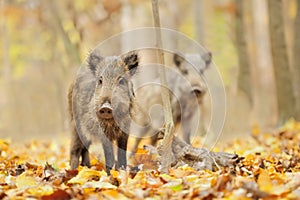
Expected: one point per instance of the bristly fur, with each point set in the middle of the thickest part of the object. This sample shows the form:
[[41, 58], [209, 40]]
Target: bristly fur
[[87, 96]]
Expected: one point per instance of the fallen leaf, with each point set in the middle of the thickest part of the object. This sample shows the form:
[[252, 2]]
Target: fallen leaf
[[86, 175], [174, 185], [99, 185], [26, 179], [57, 195], [145, 158], [113, 194], [264, 181], [41, 190]]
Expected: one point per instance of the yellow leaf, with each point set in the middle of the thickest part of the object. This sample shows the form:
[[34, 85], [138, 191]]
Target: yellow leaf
[[186, 168], [114, 173], [166, 177], [99, 184], [264, 181], [26, 180], [4, 145], [140, 176], [142, 151], [94, 161], [41, 190], [113, 194], [174, 185], [86, 175], [88, 190], [191, 178]]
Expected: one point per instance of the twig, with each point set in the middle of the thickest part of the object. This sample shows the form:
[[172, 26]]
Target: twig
[[169, 124]]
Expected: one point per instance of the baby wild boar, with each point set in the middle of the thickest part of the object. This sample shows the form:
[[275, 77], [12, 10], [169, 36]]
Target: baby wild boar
[[100, 102]]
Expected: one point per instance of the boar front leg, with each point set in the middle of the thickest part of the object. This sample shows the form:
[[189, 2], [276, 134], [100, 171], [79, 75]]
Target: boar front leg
[[108, 154], [187, 133], [77, 150], [122, 150]]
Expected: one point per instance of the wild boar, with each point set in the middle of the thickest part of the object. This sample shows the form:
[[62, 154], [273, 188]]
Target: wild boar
[[100, 102], [187, 89]]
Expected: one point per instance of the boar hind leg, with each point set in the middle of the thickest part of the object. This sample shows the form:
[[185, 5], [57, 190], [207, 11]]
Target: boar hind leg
[[135, 146], [186, 137], [122, 149], [77, 150], [154, 139], [186, 130], [141, 134], [85, 156]]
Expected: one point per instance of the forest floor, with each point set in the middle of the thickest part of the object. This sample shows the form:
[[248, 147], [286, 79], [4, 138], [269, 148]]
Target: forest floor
[[269, 168]]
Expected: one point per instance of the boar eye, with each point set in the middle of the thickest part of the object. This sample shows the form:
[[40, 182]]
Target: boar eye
[[184, 71], [100, 81], [122, 81]]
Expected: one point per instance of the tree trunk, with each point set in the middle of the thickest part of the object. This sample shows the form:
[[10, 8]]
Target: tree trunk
[[283, 78], [263, 82], [198, 21], [7, 72], [169, 124], [296, 66], [244, 75]]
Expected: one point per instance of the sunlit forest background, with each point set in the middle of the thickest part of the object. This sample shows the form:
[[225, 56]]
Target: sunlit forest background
[[254, 45]]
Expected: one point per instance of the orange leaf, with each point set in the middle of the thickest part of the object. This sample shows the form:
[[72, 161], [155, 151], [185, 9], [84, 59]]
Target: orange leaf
[[264, 181]]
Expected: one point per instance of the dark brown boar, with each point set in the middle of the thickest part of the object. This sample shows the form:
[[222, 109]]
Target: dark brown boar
[[100, 102]]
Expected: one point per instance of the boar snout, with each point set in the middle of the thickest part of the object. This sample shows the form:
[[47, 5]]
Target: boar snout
[[106, 111], [198, 91]]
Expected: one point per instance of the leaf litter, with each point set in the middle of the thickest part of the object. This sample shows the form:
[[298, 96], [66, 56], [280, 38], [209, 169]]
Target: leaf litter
[[268, 168]]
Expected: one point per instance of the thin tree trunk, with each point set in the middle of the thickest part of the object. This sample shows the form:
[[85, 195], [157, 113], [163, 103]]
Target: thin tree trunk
[[244, 75], [197, 6], [6, 59], [7, 74], [169, 124], [283, 77], [71, 48], [297, 60]]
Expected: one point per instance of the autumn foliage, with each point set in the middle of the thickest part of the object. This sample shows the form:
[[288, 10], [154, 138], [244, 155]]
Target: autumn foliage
[[268, 169]]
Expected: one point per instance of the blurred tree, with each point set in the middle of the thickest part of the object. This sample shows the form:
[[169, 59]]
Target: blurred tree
[[198, 20], [296, 62], [71, 48], [244, 75], [6, 69], [285, 96], [263, 82]]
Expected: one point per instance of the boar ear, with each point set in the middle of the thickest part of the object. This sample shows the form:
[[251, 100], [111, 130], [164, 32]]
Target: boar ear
[[178, 58], [131, 61], [93, 60], [207, 58]]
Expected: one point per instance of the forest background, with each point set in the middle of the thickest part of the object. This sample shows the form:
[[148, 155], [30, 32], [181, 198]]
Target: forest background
[[43, 43]]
